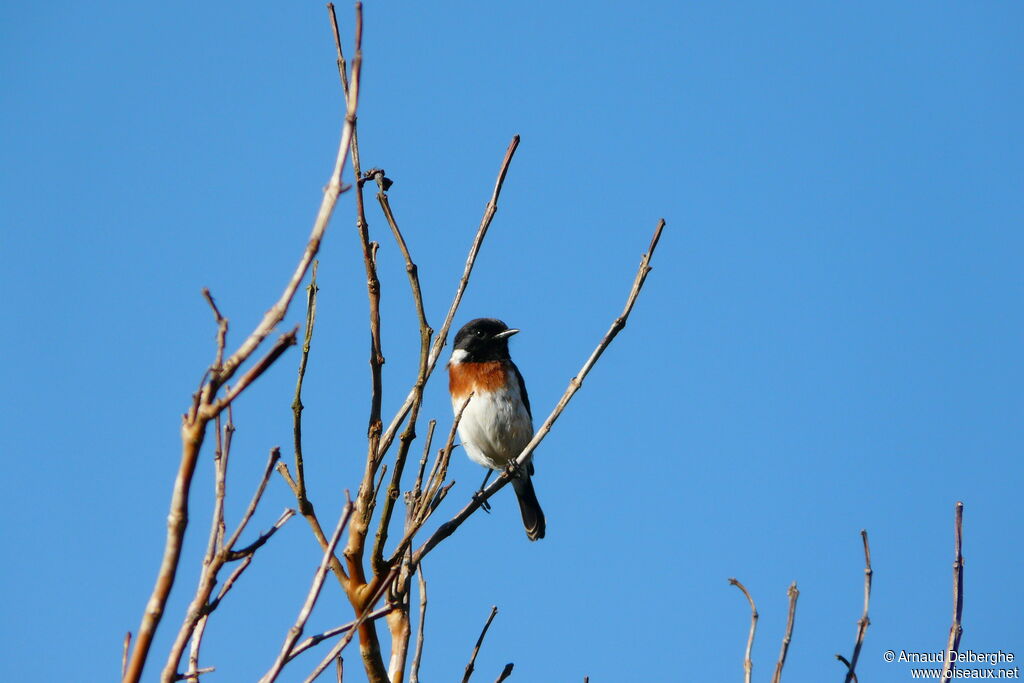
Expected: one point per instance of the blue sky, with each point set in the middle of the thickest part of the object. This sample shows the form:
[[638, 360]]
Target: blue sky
[[830, 339]]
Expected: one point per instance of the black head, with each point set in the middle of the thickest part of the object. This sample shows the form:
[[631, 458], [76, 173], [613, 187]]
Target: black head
[[483, 339]]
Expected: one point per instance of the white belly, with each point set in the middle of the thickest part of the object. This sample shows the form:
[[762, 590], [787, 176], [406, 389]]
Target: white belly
[[495, 427]]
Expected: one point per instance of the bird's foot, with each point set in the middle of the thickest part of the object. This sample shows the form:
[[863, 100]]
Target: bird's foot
[[478, 496]]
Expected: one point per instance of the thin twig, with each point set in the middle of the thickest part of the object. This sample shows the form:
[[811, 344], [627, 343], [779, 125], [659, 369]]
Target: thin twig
[[275, 455], [748, 664], [315, 640], [414, 675], [217, 555], [222, 331], [252, 374], [618, 324], [314, 525], [194, 674], [956, 630], [409, 434], [863, 622], [505, 673], [479, 642], [124, 651], [433, 494], [347, 638], [846, 661], [417, 487], [297, 407], [314, 593], [793, 594], [339, 667]]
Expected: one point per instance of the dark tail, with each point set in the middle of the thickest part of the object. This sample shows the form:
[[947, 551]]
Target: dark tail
[[533, 516]]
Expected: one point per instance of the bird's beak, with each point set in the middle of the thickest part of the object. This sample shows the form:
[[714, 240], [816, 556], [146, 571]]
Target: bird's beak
[[506, 334]]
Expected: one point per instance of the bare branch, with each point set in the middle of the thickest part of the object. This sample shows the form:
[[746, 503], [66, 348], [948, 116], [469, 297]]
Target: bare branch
[[340, 645], [247, 551], [282, 344], [748, 664], [479, 642], [433, 494], [314, 525], [793, 594], [216, 555], [863, 622], [297, 407], [849, 667], [505, 673], [377, 561], [314, 593], [275, 455], [618, 324], [442, 336], [124, 651], [194, 674], [956, 630], [353, 553], [222, 331], [315, 640], [414, 675], [194, 428], [416, 489]]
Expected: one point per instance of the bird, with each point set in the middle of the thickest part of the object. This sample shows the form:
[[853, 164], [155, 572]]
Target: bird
[[497, 423]]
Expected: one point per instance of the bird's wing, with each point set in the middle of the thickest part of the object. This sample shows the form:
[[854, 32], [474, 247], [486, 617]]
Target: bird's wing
[[526, 402], [522, 390]]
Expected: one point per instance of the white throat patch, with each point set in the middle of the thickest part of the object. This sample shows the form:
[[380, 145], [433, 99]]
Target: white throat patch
[[458, 355]]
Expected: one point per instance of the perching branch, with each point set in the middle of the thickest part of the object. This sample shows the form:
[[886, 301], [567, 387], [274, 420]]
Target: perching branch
[[748, 664], [956, 630], [449, 527]]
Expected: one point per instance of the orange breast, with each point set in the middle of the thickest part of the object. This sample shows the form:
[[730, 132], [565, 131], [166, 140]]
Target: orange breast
[[479, 377]]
